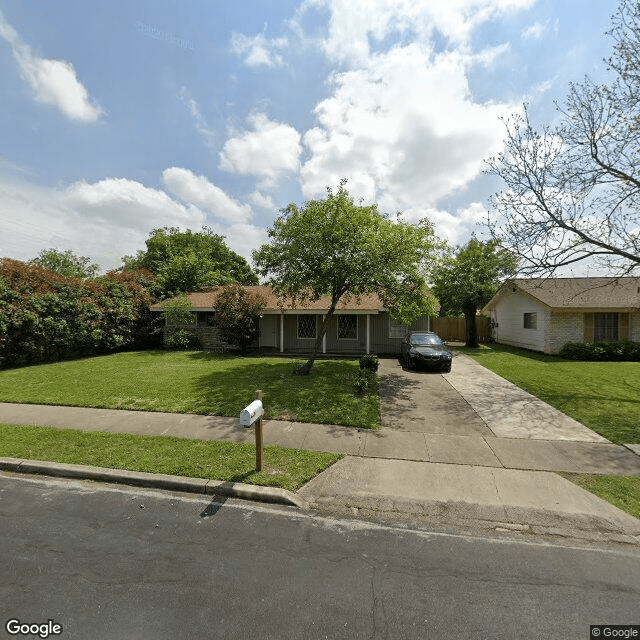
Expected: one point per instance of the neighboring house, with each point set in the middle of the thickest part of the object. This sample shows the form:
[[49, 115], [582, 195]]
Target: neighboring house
[[359, 325], [544, 314]]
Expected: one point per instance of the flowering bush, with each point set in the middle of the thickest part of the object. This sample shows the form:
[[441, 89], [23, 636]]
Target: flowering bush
[[45, 316]]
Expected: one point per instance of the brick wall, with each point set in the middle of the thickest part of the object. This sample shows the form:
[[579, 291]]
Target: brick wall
[[564, 327]]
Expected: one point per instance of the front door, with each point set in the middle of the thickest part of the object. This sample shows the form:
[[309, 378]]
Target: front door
[[269, 331]]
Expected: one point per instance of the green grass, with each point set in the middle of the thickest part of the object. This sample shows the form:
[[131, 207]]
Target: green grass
[[604, 396], [622, 492], [198, 382], [229, 461]]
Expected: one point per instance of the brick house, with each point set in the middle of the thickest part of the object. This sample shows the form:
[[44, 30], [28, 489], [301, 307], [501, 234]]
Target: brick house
[[543, 314], [358, 326]]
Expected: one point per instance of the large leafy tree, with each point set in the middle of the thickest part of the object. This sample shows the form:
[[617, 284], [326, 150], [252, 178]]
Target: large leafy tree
[[336, 248], [185, 261], [466, 280], [66, 263], [572, 191]]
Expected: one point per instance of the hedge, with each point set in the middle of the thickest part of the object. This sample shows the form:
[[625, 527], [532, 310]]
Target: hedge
[[622, 350], [45, 316]]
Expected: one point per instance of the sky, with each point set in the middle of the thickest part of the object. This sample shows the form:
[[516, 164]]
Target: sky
[[119, 117]]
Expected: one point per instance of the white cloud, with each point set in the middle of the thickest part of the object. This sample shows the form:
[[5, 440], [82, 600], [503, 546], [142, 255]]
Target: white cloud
[[208, 134], [53, 82], [356, 25], [268, 151], [404, 124], [262, 201], [242, 237], [104, 220], [258, 51], [535, 31], [199, 191], [129, 204]]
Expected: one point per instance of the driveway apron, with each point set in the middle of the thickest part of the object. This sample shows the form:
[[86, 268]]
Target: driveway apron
[[425, 402]]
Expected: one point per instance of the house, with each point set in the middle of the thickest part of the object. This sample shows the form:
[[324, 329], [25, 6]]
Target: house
[[360, 325], [543, 314]]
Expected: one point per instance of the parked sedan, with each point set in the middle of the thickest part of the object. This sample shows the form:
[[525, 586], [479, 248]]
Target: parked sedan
[[425, 349]]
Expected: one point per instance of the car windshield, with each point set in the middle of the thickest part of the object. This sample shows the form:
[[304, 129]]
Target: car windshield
[[423, 338]]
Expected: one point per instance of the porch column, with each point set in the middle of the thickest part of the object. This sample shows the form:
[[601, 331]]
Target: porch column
[[324, 341], [281, 332], [428, 323], [368, 332]]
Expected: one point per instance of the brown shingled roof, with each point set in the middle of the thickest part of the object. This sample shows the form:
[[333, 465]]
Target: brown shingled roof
[[577, 293], [204, 301]]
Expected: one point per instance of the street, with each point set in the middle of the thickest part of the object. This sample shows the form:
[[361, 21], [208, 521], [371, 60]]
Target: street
[[109, 562]]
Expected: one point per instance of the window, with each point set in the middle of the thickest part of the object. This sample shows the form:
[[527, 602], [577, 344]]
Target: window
[[530, 321], [605, 327], [397, 330], [347, 327], [206, 319], [307, 327]]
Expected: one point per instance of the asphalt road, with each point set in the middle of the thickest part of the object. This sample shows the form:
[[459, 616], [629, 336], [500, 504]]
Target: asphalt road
[[114, 562]]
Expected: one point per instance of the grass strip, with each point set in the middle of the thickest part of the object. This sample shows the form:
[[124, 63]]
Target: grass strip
[[604, 396], [621, 491], [211, 459], [198, 382]]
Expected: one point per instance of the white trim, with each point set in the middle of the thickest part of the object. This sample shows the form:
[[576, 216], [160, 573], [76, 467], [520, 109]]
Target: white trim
[[368, 333]]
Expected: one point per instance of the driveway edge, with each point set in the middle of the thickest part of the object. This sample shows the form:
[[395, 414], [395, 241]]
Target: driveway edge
[[274, 495]]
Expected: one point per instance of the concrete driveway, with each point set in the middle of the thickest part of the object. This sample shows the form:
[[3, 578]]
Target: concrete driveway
[[471, 400]]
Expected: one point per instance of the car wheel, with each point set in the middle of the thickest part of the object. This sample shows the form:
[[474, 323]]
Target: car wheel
[[447, 370]]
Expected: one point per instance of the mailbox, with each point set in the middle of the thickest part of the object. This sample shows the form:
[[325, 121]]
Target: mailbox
[[251, 413]]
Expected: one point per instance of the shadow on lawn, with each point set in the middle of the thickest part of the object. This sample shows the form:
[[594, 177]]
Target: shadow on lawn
[[326, 395]]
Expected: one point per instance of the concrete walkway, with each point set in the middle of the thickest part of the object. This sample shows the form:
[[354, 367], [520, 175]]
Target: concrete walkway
[[491, 446]]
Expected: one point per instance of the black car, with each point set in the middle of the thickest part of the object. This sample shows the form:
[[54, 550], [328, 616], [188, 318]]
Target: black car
[[425, 349]]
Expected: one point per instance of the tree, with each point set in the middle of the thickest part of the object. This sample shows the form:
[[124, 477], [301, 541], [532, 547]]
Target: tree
[[465, 282], [238, 315], [336, 248], [178, 312], [572, 191], [66, 263], [185, 261]]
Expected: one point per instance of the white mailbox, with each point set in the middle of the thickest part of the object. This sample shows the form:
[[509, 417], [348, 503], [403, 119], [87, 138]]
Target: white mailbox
[[251, 413]]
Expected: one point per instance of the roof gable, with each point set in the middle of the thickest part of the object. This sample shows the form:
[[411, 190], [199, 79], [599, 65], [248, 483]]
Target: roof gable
[[576, 293]]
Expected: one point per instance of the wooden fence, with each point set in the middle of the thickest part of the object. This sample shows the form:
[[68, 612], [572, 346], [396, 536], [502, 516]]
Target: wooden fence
[[455, 328]]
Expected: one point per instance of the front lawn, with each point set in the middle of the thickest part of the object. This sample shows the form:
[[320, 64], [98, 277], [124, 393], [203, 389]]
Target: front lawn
[[622, 492], [604, 396], [198, 382], [229, 461]]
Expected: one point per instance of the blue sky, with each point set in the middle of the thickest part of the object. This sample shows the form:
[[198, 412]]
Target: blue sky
[[119, 117]]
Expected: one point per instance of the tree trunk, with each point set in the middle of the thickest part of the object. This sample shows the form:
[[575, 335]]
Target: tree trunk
[[472, 328], [306, 368]]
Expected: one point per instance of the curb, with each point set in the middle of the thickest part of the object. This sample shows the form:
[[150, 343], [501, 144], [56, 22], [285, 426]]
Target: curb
[[274, 495]]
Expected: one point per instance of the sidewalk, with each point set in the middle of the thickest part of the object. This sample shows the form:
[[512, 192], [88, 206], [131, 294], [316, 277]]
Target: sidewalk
[[491, 447]]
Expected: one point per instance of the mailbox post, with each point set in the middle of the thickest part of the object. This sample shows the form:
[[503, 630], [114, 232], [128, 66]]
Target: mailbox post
[[253, 415], [258, 429]]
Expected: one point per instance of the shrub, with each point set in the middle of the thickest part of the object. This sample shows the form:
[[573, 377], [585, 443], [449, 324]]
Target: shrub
[[369, 362], [45, 316], [364, 380], [238, 316], [181, 340], [602, 351]]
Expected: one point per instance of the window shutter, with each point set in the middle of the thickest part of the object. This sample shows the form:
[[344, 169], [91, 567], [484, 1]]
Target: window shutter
[[623, 327], [588, 327]]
